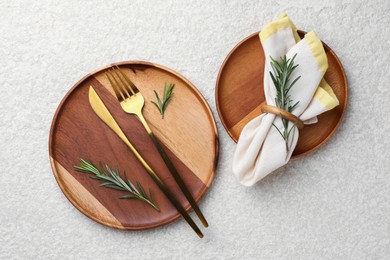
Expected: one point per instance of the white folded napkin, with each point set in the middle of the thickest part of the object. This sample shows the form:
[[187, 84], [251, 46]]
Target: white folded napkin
[[260, 148]]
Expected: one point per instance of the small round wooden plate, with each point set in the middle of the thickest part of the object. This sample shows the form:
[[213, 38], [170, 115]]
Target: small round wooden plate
[[239, 93], [188, 133]]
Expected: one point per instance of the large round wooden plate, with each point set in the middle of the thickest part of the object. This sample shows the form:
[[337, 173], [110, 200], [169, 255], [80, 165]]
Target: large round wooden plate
[[239, 93], [187, 132]]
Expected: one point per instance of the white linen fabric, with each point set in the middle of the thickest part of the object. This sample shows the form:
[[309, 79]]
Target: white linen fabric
[[260, 148]]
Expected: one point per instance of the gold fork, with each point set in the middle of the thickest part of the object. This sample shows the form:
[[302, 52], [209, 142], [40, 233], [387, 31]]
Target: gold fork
[[132, 102]]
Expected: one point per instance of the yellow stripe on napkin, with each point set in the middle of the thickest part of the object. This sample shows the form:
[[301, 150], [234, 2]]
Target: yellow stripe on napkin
[[283, 22], [325, 95], [317, 49], [292, 25]]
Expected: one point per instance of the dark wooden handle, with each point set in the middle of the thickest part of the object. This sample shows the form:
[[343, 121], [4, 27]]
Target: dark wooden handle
[[173, 171], [174, 201], [179, 180]]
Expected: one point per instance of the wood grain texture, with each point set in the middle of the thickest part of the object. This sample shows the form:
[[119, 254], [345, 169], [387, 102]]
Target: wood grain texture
[[77, 132], [82, 198], [239, 93]]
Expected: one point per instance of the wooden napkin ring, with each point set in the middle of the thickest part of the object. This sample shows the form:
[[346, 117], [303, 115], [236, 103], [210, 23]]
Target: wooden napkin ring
[[283, 113]]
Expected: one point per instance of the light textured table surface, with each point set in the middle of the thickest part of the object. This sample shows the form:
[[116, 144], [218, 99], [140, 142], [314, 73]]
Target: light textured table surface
[[332, 204]]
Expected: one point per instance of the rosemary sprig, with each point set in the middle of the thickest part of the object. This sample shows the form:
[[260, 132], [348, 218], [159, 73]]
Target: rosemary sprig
[[162, 104], [282, 71], [113, 180]]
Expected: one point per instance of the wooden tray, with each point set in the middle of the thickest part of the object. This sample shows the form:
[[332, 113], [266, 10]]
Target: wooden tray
[[187, 132], [239, 92]]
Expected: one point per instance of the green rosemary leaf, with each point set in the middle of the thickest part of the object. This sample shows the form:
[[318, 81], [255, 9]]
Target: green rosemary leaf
[[275, 65], [105, 183], [166, 104], [104, 178], [277, 129], [128, 197], [129, 183], [166, 98], [123, 183], [140, 189], [112, 174], [292, 84], [80, 169], [291, 129], [158, 98], [293, 106], [280, 74], [124, 174], [111, 186], [151, 196], [132, 186], [88, 167], [170, 89], [154, 103], [111, 179], [165, 91], [274, 80]]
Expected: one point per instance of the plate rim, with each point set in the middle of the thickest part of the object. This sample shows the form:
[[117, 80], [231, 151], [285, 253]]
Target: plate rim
[[334, 130], [59, 109]]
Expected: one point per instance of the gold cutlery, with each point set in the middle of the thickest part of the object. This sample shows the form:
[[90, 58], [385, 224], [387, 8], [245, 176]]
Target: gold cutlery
[[132, 102], [103, 113]]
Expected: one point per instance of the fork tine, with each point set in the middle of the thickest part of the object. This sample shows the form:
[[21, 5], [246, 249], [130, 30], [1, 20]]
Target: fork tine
[[120, 84], [124, 85], [118, 92], [134, 88]]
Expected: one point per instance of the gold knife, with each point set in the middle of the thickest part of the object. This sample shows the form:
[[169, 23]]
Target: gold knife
[[105, 115]]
